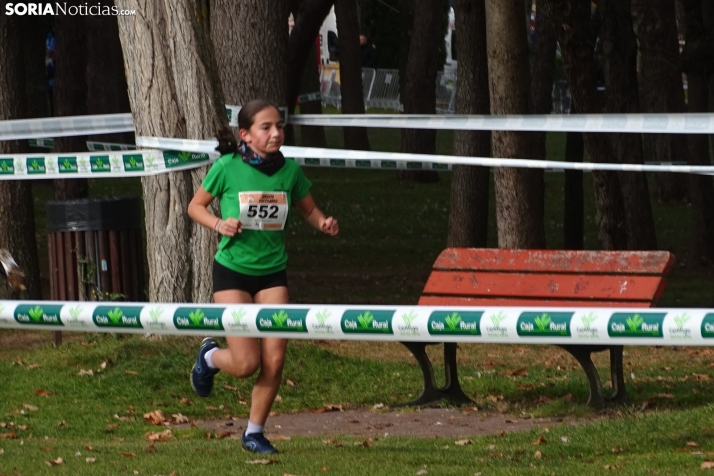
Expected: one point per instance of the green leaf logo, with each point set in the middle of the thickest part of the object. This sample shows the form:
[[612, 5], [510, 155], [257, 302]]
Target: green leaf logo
[[150, 159], [408, 318], [452, 321], [74, 312], [322, 316], [115, 162], [36, 313], [67, 164], [132, 162], [589, 319], [238, 315], [280, 318], [497, 319], [115, 315], [4, 166], [184, 156], [196, 317], [365, 319], [634, 322], [98, 162], [35, 165], [154, 314], [542, 322], [681, 320]]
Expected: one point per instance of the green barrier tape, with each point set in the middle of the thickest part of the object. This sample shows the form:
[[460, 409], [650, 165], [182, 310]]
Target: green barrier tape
[[509, 325]]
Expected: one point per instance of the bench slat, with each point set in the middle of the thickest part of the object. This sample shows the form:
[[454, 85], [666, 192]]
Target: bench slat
[[471, 301], [544, 286], [556, 261]]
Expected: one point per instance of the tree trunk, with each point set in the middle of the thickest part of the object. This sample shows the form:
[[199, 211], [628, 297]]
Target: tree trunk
[[174, 91], [33, 32], [468, 214], [70, 94], [571, 18], [350, 72], [661, 90], [698, 61], [519, 192], [17, 220], [308, 17], [419, 91], [620, 50], [573, 209]]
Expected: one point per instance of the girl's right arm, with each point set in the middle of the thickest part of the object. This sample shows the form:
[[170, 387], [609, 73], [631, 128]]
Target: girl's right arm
[[198, 211]]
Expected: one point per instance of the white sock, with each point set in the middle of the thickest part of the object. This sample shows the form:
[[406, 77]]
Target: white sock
[[253, 428], [208, 356]]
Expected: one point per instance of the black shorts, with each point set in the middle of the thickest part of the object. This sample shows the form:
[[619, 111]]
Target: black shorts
[[226, 279]]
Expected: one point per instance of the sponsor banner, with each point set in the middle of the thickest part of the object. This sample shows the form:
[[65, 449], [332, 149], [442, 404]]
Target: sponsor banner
[[198, 318], [681, 326], [40, 314], [589, 325], [636, 325], [118, 316], [367, 322], [6, 314], [455, 323], [238, 320], [78, 316], [324, 322], [411, 324], [282, 320], [707, 327], [174, 159], [544, 324]]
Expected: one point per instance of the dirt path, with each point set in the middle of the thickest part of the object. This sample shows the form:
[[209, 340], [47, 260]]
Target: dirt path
[[426, 423]]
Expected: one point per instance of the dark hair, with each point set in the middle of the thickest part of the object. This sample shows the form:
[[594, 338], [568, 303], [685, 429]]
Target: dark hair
[[227, 142]]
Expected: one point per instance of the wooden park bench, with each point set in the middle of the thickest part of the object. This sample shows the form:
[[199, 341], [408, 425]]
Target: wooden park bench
[[505, 277]]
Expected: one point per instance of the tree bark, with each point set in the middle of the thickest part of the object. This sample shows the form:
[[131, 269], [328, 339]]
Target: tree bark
[[350, 72], [70, 94], [174, 91], [698, 62], [468, 214], [419, 91], [620, 50], [519, 192], [33, 31], [571, 18], [17, 217], [661, 90], [312, 136]]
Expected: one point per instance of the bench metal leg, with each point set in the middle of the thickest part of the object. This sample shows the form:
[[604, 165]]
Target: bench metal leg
[[619, 392], [582, 355], [451, 392]]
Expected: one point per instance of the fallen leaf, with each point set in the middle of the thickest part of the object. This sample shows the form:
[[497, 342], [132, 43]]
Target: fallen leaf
[[186, 401], [33, 366], [43, 393], [131, 372], [88, 448], [463, 442], [112, 426], [155, 418], [10, 436], [539, 441], [707, 465], [422, 472], [378, 406], [2, 451], [331, 441], [178, 418], [128, 455], [47, 448], [151, 449], [618, 449], [702, 377], [103, 365], [223, 434], [62, 424], [262, 461], [692, 443], [90, 460], [279, 438], [290, 383], [86, 372], [324, 469], [568, 397], [564, 439], [32, 408], [54, 463], [352, 421], [538, 455], [502, 434], [663, 395], [609, 466], [23, 427], [521, 372], [278, 399], [159, 436], [232, 389]]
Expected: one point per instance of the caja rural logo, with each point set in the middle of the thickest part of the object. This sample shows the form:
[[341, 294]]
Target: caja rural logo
[[455, 323], [645, 324], [544, 324], [38, 315], [367, 322], [281, 320], [708, 326], [203, 318], [117, 316]]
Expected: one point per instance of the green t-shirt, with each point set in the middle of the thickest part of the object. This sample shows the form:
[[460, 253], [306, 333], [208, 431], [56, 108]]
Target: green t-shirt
[[252, 252]]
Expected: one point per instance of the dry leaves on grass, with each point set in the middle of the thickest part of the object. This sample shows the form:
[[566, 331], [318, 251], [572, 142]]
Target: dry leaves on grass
[[83, 372], [90, 460], [663, 395], [290, 383], [279, 438], [43, 393], [328, 407], [537, 455], [56, 462], [179, 418], [422, 472], [231, 388], [364, 444], [463, 442], [263, 461], [541, 439], [692, 443], [127, 455], [131, 372], [707, 465], [27, 406], [33, 366], [522, 372], [8, 436], [618, 449], [333, 441], [159, 437], [155, 417]]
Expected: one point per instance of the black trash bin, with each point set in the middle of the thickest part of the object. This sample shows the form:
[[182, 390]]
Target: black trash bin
[[95, 249]]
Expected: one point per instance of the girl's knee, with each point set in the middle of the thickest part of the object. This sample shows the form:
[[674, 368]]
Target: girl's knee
[[244, 368]]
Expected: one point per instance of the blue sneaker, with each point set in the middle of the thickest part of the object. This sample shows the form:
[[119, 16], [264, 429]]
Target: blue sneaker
[[201, 374], [256, 443]]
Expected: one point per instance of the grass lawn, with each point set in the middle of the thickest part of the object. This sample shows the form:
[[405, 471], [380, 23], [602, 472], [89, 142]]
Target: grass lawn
[[390, 235]]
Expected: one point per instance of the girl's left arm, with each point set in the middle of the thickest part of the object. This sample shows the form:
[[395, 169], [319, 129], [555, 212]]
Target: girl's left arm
[[315, 217]]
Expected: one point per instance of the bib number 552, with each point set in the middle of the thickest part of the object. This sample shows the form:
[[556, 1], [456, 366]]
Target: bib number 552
[[263, 211]]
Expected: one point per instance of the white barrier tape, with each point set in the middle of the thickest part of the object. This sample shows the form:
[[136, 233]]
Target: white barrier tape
[[111, 146], [633, 123], [42, 143], [394, 157], [507, 325], [65, 126], [99, 165]]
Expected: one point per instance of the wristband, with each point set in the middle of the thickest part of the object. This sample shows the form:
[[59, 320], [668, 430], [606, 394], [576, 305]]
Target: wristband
[[217, 226]]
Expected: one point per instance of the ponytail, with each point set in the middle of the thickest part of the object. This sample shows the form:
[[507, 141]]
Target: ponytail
[[227, 142]]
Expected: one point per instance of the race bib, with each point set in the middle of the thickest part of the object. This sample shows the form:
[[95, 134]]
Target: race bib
[[266, 211]]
